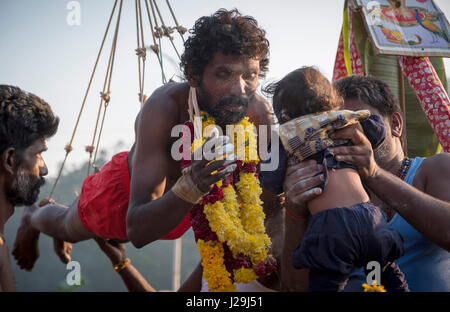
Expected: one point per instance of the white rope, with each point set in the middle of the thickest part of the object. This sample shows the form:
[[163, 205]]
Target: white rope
[[193, 109]]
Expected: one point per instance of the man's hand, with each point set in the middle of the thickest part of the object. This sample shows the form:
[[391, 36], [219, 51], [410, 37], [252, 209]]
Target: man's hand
[[359, 154], [113, 249], [201, 170], [300, 185]]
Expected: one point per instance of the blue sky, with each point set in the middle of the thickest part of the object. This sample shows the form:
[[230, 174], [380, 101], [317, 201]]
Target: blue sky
[[42, 54]]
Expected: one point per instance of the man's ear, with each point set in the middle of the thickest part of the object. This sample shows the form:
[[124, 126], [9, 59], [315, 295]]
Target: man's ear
[[194, 80], [396, 124], [9, 160]]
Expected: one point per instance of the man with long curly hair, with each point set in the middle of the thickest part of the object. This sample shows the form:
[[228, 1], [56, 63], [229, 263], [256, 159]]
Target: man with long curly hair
[[136, 196]]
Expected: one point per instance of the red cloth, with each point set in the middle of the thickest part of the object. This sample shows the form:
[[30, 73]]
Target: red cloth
[[356, 65], [431, 95], [103, 203], [340, 70]]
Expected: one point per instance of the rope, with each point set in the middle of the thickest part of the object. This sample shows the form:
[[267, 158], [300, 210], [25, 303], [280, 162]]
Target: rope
[[181, 30], [157, 48], [140, 51], [99, 136], [141, 94], [157, 32], [68, 148], [105, 96], [166, 30]]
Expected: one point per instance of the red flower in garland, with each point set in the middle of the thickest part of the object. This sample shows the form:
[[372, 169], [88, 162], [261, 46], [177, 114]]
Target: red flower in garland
[[245, 167], [200, 225], [235, 263], [186, 159], [214, 195], [266, 267], [204, 233]]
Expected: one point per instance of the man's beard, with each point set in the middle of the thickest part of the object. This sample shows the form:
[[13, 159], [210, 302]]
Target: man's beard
[[382, 152], [25, 189], [222, 116]]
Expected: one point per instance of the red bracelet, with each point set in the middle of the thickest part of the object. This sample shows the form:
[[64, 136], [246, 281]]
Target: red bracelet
[[294, 215]]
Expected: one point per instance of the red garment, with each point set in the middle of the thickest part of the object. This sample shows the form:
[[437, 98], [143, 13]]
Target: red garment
[[431, 95], [103, 203]]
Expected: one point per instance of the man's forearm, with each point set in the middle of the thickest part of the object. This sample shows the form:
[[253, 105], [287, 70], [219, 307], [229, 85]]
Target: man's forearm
[[429, 215], [49, 219], [134, 281], [293, 279], [194, 281], [151, 221]]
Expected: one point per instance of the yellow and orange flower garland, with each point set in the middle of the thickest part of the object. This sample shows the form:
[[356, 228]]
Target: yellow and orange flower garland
[[374, 287], [228, 222]]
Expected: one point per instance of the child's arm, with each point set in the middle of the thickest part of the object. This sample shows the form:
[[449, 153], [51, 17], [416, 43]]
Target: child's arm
[[300, 186]]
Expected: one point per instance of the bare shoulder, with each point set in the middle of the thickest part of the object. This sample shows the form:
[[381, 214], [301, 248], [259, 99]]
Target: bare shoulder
[[439, 161], [436, 166], [165, 103], [434, 175], [160, 113]]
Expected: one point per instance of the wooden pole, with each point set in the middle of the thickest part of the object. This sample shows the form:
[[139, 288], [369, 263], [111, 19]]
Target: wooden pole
[[176, 264], [403, 106]]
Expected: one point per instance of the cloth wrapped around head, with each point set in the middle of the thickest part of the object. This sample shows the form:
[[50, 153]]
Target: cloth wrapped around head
[[308, 137]]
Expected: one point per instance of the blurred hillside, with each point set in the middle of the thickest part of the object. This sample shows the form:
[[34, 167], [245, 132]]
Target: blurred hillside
[[154, 261]]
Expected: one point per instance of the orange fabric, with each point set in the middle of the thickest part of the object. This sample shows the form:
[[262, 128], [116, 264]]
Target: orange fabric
[[103, 203]]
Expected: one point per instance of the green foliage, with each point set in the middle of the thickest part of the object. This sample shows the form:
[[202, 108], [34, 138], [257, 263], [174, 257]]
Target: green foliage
[[63, 287]]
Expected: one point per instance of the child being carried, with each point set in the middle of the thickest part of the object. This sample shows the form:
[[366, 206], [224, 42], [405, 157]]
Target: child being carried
[[345, 231]]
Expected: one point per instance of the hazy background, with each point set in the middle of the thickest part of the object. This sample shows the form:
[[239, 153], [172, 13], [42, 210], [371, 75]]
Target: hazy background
[[41, 53]]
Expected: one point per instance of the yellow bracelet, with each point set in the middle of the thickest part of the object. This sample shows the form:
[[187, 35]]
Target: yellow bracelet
[[121, 265]]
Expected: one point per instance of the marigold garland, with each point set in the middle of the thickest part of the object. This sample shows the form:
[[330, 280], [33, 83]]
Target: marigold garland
[[374, 287], [214, 269], [231, 216], [244, 275]]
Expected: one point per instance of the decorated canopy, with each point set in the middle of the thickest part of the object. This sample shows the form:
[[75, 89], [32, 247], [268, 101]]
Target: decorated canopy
[[392, 41]]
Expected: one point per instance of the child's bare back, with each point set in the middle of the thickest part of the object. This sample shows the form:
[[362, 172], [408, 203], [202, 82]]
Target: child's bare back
[[344, 189]]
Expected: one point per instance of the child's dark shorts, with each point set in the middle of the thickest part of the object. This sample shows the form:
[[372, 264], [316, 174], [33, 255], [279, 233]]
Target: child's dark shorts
[[338, 240]]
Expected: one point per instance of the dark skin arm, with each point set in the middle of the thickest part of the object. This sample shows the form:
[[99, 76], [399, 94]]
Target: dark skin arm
[[133, 280], [427, 208], [6, 274], [300, 187], [194, 281], [152, 212], [115, 251]]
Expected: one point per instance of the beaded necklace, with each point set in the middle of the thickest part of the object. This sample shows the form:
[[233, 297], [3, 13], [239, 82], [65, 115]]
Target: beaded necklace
[[404, 168], [402, 172]]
